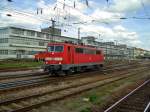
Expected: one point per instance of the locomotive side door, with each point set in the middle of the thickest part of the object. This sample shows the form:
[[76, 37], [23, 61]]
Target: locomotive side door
[[70, 55]]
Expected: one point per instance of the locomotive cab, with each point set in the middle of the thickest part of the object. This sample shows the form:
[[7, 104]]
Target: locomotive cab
[[58, 57]]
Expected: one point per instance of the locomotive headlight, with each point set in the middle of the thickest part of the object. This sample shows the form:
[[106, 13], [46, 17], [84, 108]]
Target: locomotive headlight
[[58, 59], [55, 59], [48, 59]]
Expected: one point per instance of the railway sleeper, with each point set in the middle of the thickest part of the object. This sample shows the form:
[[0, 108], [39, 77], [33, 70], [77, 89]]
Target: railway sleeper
[[23, 103], [132, 107], [5, 109], [15, 105]]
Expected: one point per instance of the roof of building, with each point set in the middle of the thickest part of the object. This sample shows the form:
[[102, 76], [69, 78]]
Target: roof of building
[[35, 31]]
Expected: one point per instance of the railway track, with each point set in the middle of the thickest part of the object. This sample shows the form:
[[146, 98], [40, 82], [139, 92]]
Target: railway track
[[19, 75], [35, 100], [46, 79], [6, 77], [137, 100], [15, 69], [3, 70], [22, 83], [32, 74]]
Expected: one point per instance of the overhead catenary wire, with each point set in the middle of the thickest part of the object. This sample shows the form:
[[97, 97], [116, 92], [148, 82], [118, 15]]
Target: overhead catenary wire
[[80, 22], [39, 18], [143, 5], [70, 24], [66, 5], [32, 15]]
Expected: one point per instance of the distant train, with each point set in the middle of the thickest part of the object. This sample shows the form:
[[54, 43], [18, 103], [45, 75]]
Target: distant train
[[67, 58], [40, 56]]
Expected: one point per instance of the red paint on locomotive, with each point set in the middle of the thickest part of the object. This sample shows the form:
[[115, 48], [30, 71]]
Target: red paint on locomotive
[[65, 56]]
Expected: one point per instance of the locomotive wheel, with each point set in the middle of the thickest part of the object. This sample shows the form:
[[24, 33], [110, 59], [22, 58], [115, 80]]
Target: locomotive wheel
[[52, 73], [62, 74], [101, 67], [69, 72], [45, 70]]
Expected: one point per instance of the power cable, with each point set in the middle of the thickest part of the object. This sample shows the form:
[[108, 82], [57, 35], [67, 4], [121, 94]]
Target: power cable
[[143, 5], [66, 5]]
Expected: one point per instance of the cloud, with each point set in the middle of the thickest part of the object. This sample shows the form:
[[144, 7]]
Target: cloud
[[23, 17], [110, 34], [106, 16], [17, 19], [119, 28], [81, 13], [128, 5]]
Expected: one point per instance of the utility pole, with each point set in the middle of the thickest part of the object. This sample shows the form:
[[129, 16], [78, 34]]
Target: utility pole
[[116, 42], [78, 35], [53, 29], [99, 35]]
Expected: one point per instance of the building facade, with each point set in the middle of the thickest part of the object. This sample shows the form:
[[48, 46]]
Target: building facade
[[111, 50], [24, 43]]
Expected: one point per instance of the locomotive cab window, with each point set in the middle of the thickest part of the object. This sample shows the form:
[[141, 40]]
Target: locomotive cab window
[[58, 48], [55, 48], [50, 48]]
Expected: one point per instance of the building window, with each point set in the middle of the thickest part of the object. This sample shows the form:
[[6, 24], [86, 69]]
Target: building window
[[30, 33], [48, 36], [38, 34], [17, 31], [41, 43], [30, 53], [4, 52], [3, 31], [4, 40], [12, 52]]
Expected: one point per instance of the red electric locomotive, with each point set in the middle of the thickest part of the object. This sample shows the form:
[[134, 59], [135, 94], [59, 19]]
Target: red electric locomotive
[[68, 58]]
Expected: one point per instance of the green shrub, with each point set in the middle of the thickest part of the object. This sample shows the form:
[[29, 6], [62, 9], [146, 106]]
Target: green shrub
[[86, 110], [93, 98]]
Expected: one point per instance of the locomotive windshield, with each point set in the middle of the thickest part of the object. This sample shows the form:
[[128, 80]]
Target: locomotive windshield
[[55, 48]]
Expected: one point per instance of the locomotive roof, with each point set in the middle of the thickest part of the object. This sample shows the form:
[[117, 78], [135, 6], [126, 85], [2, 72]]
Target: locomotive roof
[[71, 44]]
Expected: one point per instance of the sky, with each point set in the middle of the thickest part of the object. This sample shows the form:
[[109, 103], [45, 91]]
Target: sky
[[120, 21]]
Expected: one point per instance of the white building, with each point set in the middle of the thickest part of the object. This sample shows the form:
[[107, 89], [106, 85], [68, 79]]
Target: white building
[[111, 50], [23, 43]]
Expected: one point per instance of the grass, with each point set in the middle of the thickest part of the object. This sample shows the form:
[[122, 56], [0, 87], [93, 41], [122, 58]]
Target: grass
[[24, 63], [86, 110], [99, 96]]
